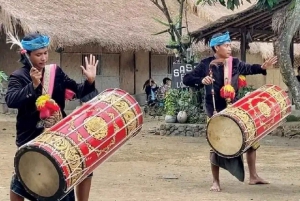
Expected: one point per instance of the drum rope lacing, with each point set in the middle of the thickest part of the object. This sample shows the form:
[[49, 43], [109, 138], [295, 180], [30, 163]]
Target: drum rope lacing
[[259, 116], [82, 159]]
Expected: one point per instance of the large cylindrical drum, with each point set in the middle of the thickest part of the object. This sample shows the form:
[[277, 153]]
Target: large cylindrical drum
[[53, 163], [235, 129]]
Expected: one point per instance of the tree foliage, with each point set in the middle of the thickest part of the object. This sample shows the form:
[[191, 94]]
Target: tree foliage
[[232, 4], [179, 42]]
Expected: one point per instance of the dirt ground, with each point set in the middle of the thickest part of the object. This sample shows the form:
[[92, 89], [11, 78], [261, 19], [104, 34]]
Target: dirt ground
[[152, 167]]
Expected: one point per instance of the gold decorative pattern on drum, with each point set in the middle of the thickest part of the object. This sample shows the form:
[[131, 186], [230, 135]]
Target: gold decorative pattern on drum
[[264, 109], [96, 127], [128, 114], [280, 99], [68, 151], [243, 116]]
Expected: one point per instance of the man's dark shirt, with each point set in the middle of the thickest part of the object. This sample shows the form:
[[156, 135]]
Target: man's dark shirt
[[195, 77], [22, 96]]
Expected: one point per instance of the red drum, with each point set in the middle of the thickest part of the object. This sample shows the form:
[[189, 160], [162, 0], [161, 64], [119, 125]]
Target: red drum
[[235, 129], [61, 157]]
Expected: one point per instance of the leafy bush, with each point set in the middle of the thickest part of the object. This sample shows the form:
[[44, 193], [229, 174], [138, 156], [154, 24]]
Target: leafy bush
[[183, 100]]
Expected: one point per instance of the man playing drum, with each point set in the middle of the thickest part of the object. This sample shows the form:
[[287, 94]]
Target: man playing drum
[[221, 45], [27, 84]]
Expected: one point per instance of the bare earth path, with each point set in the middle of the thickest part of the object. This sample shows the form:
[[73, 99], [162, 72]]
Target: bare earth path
[[152, 167]]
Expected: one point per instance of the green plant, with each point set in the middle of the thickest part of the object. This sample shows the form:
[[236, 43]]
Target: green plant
[[195, 111], [184, 99], [171, 102], [245, 90], [4, 77]]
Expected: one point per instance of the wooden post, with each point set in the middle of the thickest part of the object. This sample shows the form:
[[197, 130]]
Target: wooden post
[[243, 45]]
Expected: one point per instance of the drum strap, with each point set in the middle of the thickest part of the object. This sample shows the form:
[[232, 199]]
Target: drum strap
[[228, 71], [49, 77]]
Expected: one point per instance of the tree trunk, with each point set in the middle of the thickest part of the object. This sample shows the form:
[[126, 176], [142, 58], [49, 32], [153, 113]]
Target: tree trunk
[[282, 46]]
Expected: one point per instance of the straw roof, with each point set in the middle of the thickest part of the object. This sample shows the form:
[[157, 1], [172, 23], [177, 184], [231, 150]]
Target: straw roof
[[117, 25], [114, 24]]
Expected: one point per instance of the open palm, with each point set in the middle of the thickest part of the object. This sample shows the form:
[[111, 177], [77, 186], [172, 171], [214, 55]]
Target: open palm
[[270, 62], [90, 68]]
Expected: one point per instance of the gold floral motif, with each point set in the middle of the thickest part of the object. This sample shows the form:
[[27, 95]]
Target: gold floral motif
[[122, 106], [67, 150], [80, 139], [89, 146], [129, 116], [96, 127], [247, 121], [264, 109], [279, 97], [116, 127]]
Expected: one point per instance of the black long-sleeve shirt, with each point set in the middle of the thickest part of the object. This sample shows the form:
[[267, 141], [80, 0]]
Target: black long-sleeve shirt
[[195, 77], [21, 95]]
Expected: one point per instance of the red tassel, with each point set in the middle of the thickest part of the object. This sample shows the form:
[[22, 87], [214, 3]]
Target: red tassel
[[45, 113], [242, 82], [227, 92], [52, 105]]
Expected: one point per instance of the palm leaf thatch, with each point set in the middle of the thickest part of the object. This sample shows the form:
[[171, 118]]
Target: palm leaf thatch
[[114, 24]]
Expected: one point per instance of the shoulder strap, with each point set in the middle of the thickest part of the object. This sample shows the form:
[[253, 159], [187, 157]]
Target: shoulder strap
[[49, 77], [228, 71]]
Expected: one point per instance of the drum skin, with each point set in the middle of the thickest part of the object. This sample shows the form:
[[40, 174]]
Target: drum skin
[[78, 144], [233, 130]]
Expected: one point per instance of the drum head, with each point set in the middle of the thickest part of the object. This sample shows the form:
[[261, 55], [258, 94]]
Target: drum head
[[39, 174], [225, 136]]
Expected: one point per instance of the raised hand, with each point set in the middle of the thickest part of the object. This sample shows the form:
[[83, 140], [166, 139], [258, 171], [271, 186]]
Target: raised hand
[[270, 62], [90, 68]]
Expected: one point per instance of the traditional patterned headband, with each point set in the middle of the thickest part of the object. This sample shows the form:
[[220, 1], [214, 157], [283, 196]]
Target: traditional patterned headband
[[220, 40], [37, 43]]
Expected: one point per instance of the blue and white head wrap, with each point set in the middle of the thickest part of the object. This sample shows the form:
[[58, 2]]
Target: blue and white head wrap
[[37, 43], [220, 40]]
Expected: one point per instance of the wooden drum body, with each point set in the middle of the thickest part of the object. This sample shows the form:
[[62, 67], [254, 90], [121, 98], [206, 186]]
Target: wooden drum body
[[235, 129], [53, 163]]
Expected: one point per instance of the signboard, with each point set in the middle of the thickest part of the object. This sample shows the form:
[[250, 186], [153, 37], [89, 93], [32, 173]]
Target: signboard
[[178, 72]]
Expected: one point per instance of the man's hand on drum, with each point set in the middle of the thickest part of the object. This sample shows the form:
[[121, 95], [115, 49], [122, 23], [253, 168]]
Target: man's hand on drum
[[207, 80]]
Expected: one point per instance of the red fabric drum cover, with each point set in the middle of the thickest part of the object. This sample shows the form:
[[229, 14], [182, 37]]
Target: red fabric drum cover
[[235, 129], [50, 165]]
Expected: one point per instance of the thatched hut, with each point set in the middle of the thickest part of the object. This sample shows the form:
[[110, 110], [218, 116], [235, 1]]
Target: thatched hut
[[118, 32]]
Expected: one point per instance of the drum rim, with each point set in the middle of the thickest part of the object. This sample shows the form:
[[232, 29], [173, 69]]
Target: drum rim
[[217, 152], [62, 182]]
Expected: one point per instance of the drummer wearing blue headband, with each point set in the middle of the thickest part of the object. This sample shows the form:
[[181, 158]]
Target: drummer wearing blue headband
[[225, 69], [28, 83]]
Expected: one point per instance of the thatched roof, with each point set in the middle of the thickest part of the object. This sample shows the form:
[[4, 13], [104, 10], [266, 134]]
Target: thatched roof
[[259, 23], [256, 20], [114, 24]]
